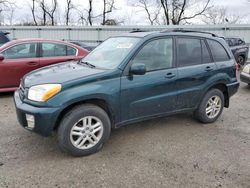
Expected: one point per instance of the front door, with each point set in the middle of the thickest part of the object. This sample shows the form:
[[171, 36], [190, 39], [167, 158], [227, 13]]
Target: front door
[[155, 92], [18, 61]]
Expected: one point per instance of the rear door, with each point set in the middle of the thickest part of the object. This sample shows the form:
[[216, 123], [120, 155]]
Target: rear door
[[195, 67], [52, 53], [18, 60]]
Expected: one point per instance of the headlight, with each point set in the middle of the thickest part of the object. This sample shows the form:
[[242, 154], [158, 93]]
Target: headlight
[[247, 69], [42, 93]]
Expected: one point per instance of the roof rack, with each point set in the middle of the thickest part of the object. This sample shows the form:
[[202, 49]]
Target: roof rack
[[137, 30], [189, 31]]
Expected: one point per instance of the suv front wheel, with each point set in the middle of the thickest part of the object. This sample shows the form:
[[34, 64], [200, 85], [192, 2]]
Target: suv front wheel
[[84, 130], [210, 107]]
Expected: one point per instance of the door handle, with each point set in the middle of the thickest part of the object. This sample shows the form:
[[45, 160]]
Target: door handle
[[70, 60], [208, 68], [169, 75], [32, 63]]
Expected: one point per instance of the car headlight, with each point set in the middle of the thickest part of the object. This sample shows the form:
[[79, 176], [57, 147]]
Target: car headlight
[[44, 92], [246, 69]]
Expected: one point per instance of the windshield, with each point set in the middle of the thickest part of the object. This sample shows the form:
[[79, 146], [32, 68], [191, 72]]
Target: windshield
[[111, 52]]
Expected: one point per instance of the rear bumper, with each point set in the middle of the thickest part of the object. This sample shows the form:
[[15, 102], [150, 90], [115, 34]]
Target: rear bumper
[[232, 88], [44, 118], [244, 77]]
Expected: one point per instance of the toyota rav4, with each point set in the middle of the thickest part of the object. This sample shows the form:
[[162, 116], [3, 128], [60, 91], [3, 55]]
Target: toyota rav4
[[128, 78]]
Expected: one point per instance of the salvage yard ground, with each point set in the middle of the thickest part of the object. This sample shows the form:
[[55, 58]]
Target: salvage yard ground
[[171, 152]]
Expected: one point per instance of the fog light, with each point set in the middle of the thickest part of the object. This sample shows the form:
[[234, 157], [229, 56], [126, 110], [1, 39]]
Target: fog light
[[30, 121]]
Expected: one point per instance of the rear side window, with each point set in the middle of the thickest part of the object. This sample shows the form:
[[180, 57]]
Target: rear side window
[[206, 58], [54, 50], [71, 51], [218, 51], [188, 51]]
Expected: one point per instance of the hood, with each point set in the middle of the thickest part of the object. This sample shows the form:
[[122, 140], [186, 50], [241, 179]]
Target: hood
[[59, 73]]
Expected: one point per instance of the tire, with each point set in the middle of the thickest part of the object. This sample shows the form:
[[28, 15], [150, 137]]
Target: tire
[[208, 101], [83, 130], [241, 61]]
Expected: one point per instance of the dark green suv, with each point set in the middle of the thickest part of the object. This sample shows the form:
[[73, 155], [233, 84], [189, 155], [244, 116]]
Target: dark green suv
[[128, 78]]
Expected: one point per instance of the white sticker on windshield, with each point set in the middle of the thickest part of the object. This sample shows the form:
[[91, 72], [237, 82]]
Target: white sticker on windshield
[[124, 45]]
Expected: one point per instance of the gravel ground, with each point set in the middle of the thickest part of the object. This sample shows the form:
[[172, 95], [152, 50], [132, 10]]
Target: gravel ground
[[171, 152]]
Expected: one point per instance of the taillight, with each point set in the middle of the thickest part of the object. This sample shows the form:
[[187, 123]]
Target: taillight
[[236, 69]]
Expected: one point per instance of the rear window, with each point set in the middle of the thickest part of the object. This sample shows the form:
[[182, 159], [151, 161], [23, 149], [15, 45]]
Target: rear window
[[218, 51]]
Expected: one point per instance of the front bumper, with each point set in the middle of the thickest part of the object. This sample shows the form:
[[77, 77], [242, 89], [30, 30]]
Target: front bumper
[[44, 118], [244, 77]]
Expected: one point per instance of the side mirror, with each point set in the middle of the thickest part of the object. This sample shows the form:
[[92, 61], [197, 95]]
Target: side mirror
[[1, 57], [138, 69]]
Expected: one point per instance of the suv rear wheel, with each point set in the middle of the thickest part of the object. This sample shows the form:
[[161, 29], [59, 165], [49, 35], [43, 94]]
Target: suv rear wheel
[[84, 130], [210, 107]]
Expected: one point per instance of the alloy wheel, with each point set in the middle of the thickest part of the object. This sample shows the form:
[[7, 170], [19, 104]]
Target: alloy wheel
[[86, 133], [213, 107]]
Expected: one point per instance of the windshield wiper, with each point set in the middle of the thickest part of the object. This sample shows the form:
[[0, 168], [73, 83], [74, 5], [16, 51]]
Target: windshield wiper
[[87, 63]]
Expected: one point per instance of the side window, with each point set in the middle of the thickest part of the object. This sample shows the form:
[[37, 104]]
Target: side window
[[188, 51], [218, 51], [53, 50], [229, 42], [206, 58], [240, 42], [156, 55], [27, 50], [71, 51]]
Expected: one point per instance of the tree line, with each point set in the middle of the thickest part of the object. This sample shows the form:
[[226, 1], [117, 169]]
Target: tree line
[[156, 12]]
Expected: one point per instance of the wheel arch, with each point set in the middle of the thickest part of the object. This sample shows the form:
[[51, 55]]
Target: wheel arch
[[223, 88], [95, 101]]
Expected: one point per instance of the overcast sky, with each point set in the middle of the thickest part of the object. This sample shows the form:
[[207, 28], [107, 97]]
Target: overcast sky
[[133, 15]]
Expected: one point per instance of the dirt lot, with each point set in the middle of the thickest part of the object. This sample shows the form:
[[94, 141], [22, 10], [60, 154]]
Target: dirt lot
[[169, 152]]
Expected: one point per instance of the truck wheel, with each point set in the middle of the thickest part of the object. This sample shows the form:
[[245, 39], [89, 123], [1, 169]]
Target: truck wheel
[[210, 107], [83, 130], [241, 61]]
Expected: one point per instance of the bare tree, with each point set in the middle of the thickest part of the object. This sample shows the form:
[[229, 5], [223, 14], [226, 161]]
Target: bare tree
[[33, 9], [51, 12], [175, 10], [69, 7], [6, 4], [48, 10], [10, 14], [220, 15], [108, 6], [6, 10], [44, 13], [152, 9], [90, 12], [82, 18], [86, 16]]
